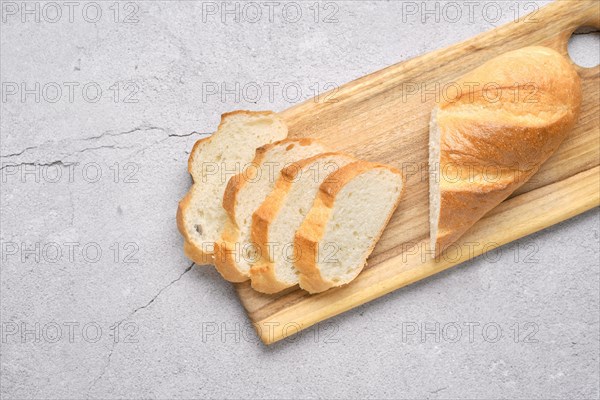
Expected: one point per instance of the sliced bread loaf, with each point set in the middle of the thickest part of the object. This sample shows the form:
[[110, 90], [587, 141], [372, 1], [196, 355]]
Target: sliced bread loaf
[[213, 160], [235, 252], [350, 212], [275, 222]]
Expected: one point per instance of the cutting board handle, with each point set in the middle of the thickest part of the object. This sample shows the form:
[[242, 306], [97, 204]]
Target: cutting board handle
[[561, 18]]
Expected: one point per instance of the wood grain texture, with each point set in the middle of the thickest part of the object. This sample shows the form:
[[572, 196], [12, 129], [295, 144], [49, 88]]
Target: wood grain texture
[[384, 117]]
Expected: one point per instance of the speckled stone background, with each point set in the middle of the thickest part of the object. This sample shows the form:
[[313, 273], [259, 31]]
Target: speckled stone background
[[101, 103]]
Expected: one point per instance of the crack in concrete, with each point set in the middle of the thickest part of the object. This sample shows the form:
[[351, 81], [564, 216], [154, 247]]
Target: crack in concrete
[[189, 134], [19, 153], [108, 146], [138, 129], [61, 162], [100, 136], [162, 140], [438, 390], [188, 269], [131, 314], [85, 149]]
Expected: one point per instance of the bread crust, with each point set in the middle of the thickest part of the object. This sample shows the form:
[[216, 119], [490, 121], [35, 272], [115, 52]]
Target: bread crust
[[262, 273], [225, 249], [513, 136], [194, 253], [312, 230], [191, 250], [195, 150]]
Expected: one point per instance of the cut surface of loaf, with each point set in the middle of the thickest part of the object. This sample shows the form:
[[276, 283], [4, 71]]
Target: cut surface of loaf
[[235, 252], [275, 222], [346, 221], [491, 139], [213, 160]]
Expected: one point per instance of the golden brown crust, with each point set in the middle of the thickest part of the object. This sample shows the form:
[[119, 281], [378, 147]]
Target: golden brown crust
[[312, 230], [291, 172], [191, 250], [237, 182], [262, 273], [230, 195], [501, 135], [183, 204], [196, 255], [306, 245], [246, 112], [337, 180], [225, 253], [225, 250], [263, 279], [194, 151]]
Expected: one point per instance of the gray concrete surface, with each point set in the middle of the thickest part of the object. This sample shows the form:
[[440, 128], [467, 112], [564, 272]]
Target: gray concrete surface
[[108, 252]]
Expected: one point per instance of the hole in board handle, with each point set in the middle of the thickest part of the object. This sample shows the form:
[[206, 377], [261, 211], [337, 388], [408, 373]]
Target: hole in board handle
[[584, 47]]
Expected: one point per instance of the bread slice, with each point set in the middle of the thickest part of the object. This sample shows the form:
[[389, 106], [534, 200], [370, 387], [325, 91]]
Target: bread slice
[[245, 192], [486, 143], [213, 160], [275, 222], [351, 210]]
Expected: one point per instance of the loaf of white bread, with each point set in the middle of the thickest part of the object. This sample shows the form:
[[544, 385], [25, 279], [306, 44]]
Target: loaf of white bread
[[486, 143], [295, 213]]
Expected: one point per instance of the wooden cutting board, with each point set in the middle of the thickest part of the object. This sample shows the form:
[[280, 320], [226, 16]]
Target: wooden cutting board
[[379, 117]]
